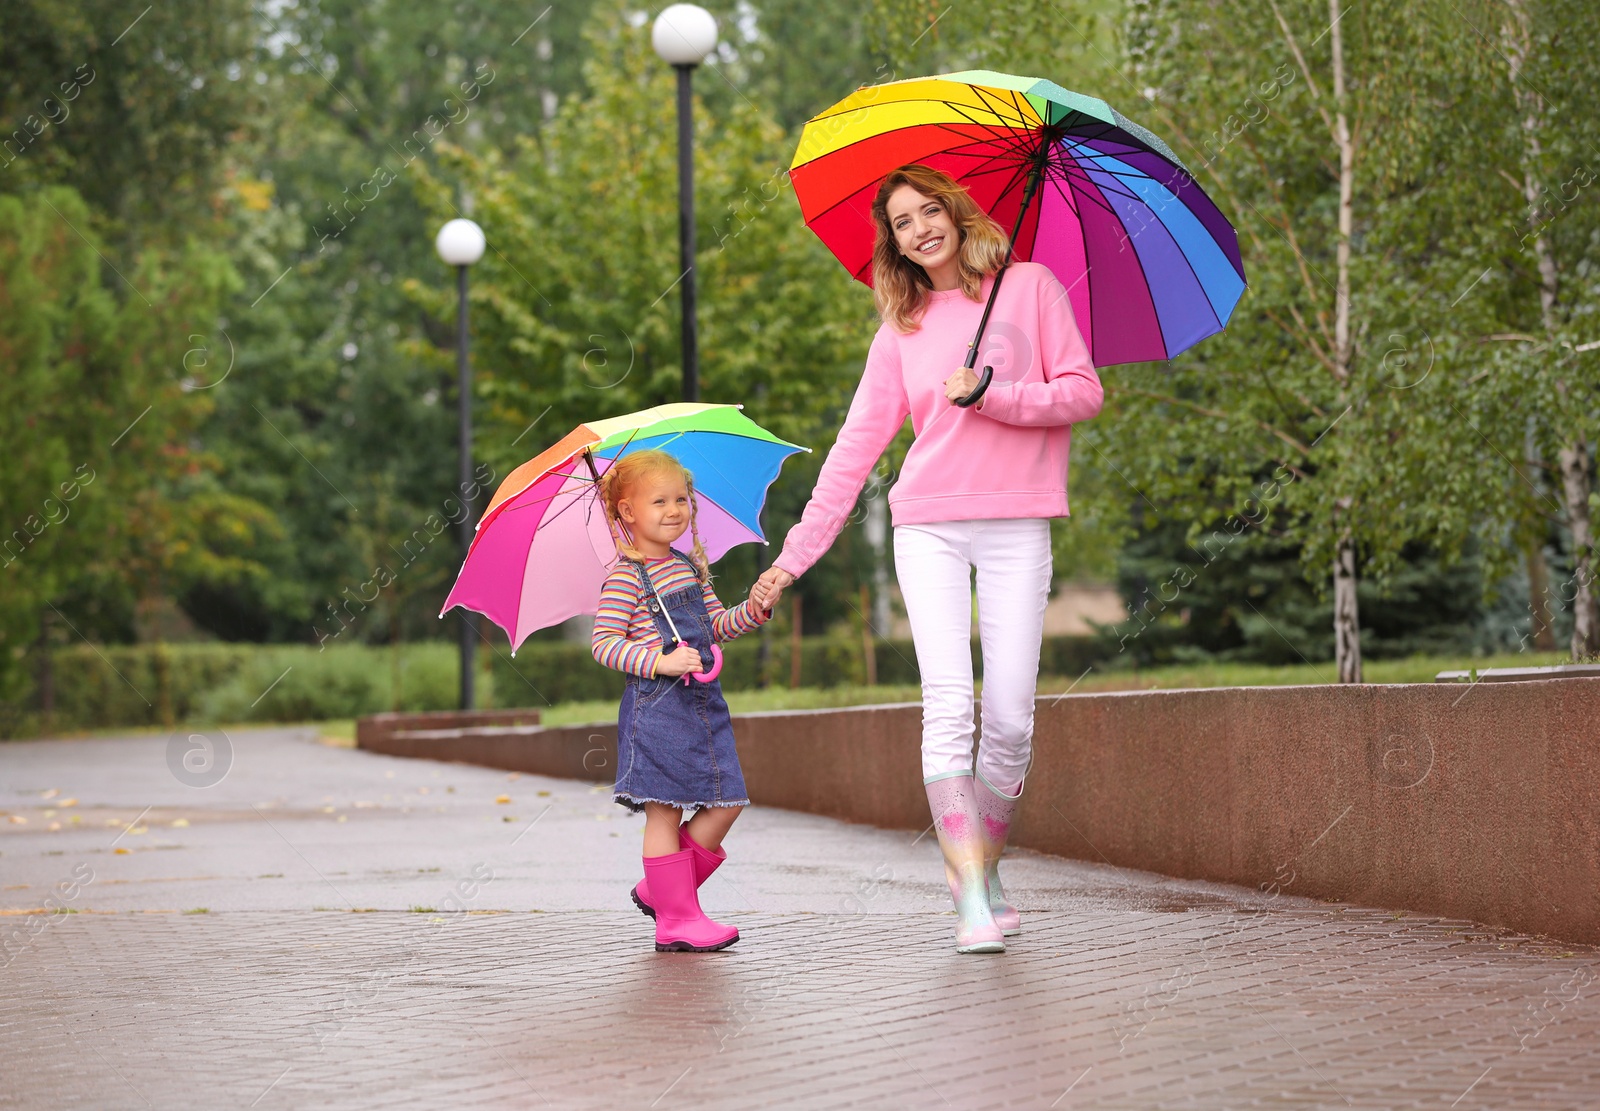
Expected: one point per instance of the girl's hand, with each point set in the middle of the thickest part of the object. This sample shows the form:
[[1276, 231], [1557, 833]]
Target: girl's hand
[[680, 661], [764, 596], [770, 587], [960, 384]]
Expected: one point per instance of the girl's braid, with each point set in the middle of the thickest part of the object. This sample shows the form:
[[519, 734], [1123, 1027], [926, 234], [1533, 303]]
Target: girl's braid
[[609, 495], [700, 559]]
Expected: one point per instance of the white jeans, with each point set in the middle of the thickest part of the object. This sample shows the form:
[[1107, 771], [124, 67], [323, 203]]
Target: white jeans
[[934, 563]]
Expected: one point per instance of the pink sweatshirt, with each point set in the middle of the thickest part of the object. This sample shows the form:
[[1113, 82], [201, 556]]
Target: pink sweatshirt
[[1004, 457]]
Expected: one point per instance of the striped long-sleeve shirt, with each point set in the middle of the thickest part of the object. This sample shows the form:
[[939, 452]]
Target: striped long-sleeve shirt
[[625, 636]]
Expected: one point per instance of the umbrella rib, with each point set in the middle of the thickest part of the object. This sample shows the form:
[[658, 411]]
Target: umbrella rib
[[1017, 145]]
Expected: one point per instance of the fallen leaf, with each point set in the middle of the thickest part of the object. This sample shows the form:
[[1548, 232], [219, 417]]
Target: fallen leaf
[[502, 798], [18, 820], [69, 802], [120, 851], [179, 823], [50, 794]]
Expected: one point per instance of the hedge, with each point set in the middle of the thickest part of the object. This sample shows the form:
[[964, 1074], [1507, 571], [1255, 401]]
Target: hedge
[[162, 685]]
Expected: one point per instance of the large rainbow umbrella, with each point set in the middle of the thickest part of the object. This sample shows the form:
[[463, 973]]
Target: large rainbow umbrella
[[1150, 264], [542, 549]]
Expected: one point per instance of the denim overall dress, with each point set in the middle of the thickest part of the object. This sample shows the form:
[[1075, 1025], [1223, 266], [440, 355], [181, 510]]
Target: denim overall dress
[[675, 742]]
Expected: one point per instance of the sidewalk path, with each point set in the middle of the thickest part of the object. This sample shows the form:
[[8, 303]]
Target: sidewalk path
[[326, 927]]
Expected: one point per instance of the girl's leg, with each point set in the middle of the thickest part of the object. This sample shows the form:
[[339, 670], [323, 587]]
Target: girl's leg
[[672, 880], [708, 822], [661, 829], [710, 825]]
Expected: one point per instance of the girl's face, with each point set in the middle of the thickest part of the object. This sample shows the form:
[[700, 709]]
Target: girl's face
[[656, 509], [923, 229]]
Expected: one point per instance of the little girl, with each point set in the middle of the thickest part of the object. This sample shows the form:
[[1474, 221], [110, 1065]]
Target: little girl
[[675, 747]]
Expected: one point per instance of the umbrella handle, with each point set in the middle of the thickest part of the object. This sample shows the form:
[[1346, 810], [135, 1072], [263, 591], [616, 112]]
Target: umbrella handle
[[977, 391], [707, 676]]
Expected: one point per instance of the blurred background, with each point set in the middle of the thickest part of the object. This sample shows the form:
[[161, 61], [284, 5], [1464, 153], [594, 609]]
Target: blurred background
[[227, 345]]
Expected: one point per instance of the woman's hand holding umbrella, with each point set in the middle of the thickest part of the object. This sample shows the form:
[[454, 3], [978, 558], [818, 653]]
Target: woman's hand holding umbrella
[[961, 384]]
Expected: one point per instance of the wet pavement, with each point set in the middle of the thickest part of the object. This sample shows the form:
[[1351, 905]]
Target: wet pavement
[[273, 922]]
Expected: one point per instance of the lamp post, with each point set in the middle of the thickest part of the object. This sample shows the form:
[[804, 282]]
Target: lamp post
[[683, 35], [460, 243]]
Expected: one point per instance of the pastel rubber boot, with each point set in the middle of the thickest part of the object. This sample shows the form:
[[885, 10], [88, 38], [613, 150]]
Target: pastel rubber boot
[[995, 811], [953, 803], [681, 926], [705, 862]]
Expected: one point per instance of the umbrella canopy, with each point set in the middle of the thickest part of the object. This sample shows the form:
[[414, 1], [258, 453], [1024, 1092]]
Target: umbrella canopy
[[1151, 266], [543, 550]]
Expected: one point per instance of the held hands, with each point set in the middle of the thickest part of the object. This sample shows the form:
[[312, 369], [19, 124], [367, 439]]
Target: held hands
[[680, 661], [960, 384], [770, 587]]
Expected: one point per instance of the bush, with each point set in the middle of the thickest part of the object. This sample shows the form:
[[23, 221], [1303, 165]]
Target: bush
[[304, 684], [161, 685], [545, 674]]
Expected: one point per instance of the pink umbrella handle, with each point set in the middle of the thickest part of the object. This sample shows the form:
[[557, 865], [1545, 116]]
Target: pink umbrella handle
[[707, 676]]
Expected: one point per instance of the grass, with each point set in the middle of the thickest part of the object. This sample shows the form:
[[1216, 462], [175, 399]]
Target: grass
[[340, 732], [1413, 669], [747, 702]]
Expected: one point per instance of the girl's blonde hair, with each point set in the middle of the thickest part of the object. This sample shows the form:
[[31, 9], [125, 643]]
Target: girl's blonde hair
[[620, 480], [900, 286]]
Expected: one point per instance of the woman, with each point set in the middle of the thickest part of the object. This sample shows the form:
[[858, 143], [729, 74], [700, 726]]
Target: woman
[[978, 488]]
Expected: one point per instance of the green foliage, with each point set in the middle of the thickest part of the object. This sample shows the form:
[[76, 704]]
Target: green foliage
[[126, 685], [160, 685], [1242, 596], [303, 684], [575, 310], [104, 497]]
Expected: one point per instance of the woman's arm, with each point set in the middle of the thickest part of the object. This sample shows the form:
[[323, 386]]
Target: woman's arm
[[1071, 389], [877, 412], [619, 598]]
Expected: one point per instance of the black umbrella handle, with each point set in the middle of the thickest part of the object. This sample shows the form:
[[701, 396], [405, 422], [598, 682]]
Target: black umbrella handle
[[977, 391], [1034, 177]]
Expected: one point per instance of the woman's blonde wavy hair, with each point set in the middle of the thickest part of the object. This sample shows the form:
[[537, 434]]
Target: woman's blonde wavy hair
[[900, 286], [618, 482]]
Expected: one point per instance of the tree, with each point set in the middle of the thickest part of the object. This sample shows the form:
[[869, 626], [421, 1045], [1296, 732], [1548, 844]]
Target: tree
[[573, 307], [103, 495], [1544, 387], [1315, 405]]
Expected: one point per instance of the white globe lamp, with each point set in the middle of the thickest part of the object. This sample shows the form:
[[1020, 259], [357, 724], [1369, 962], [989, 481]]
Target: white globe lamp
[[684, 34], [460, 243]]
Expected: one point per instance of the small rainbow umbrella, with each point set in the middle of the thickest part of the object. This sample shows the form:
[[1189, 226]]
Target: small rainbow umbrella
[[1150, 264], [543, 549]]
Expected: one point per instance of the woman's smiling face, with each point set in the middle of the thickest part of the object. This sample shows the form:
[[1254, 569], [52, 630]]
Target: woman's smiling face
[[923, 229]]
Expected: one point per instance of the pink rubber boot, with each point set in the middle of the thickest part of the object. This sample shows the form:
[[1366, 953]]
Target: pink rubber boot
[[953, 803], [681, 926], [705, 862], [995, 811]]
